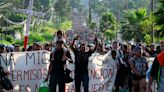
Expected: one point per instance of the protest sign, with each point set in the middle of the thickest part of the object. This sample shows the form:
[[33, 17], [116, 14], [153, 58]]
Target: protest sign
[[29, 69]]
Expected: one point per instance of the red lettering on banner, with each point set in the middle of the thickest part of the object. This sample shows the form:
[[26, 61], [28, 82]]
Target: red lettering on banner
[[101, 73], [110, 72], [93, 74], [98, 77], [101, 87]]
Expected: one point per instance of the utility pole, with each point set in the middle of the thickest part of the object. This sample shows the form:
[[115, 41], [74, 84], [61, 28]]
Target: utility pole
[[152, 25], [29, 13]]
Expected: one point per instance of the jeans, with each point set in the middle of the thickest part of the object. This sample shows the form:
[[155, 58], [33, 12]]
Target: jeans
[[57, 80], [84, 78]]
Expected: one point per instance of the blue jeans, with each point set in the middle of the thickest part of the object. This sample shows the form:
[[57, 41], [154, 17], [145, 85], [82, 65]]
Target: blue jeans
[[84, 78], [57, 79]]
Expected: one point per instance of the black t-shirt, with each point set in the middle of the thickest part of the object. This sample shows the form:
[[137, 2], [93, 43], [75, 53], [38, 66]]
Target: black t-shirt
[[152, 53], [81, 61], [155, 68], [57, 63]]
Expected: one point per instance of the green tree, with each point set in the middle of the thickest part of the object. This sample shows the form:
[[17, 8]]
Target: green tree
[[62, 9], [107, 22], [66, 25], [92, 25], [35, 37], [110, 34], [159, 19], [132, 26], [9, 38], [75, 3]]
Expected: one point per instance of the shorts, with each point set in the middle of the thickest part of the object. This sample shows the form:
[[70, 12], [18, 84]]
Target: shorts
[[134, 77]]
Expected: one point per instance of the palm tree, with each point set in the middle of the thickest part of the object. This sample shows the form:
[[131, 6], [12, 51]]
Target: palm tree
[[159, 18], [132, 26]]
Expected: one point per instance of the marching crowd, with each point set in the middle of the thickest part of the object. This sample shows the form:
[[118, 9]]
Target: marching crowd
[[130, 60]]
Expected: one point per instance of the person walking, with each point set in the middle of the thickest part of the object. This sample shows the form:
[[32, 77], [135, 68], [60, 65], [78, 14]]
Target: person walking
[[81, 66], [139, 67], [157, 70], [56, 68]]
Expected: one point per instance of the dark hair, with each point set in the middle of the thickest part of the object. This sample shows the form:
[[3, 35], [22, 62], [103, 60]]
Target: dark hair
[[59, 32], [23, 49], [115, 42], [60, 42], [82, 44], [37, 45], [125, 46], [29, 48], [46, 45], [133, 47], [113, 52], [16, 46], [158, 48], [2, 47]]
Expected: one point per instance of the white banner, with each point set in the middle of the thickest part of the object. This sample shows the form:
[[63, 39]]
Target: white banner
[[29, 69], [102, 73]]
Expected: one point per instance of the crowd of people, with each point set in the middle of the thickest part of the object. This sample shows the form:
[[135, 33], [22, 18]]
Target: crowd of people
[[130, 60]]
